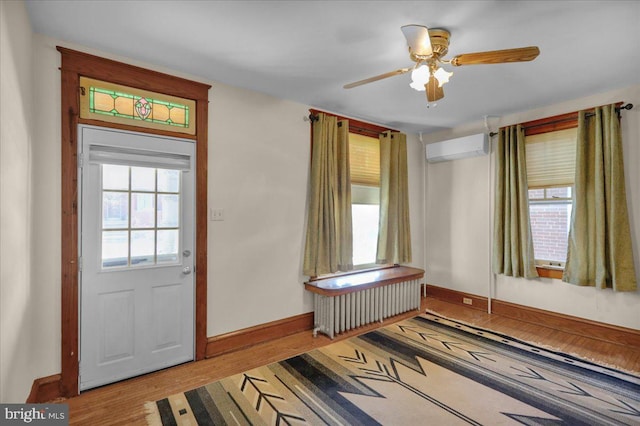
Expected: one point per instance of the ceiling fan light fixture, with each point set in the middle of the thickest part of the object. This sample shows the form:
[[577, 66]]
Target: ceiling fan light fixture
[[420, 77]]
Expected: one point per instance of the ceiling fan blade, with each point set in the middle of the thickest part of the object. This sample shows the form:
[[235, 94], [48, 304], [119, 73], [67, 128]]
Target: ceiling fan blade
[[434, 90], [377, 77], [521, 54], [418, 39]]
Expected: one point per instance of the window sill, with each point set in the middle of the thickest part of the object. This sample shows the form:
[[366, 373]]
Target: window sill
[[362, 280], [356, 270], [549, 272]]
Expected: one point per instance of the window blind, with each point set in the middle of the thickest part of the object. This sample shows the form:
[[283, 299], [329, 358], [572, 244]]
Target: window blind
[[364, 157], [102, 154], [551, 158]]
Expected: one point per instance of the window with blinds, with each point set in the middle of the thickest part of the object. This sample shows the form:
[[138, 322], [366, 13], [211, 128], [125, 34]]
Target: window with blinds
[[551, 163], [364, 159]]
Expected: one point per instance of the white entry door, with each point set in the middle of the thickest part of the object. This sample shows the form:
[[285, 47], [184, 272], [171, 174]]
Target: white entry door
[[137, 254]]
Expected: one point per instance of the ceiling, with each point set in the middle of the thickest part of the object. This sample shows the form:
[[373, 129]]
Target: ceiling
[[305, 51]]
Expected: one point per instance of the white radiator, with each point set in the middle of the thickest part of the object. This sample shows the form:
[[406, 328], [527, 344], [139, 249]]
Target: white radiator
[[336, 314]]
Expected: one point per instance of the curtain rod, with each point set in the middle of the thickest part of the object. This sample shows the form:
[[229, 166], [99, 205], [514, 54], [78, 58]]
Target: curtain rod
[[565, 118], [355, 126]]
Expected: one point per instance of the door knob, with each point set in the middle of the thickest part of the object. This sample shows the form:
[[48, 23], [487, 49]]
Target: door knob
[[186, 270]]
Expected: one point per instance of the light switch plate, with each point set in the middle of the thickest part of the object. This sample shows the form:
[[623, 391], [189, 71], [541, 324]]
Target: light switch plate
[[216, 214]]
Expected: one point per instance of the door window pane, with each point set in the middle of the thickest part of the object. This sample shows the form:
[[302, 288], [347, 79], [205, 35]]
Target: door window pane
[[115, 177], [142, 248], [142, 210], [168, 180], [115, 210], [115, 249], [167, 245], [168, 210], [143, 179]]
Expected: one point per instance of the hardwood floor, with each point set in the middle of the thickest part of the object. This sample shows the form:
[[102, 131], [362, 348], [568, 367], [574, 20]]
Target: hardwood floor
[[123, 402]]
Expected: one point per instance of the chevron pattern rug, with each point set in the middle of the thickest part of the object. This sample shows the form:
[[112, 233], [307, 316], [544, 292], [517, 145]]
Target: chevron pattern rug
[[427, 370]]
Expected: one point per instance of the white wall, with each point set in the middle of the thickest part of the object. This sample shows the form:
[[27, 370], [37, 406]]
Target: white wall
[[459, 199], [417, 170], [457, 224], [258, 172], [17, 294], [258, 165]]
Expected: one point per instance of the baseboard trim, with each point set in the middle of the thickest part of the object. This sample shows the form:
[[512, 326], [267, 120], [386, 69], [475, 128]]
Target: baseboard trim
[[218, 345], [453, 296], [580, 326], [45, 389], [575, 325]]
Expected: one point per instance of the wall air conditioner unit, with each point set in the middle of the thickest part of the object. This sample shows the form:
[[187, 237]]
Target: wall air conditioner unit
[[453, 149]]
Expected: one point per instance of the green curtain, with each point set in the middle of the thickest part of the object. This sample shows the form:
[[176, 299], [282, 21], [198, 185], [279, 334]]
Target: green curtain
[[329, 246], [600, 252], [394, 234], [512, 240]]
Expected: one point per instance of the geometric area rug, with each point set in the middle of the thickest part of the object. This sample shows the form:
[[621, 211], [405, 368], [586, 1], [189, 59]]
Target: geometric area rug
[[427, 370]]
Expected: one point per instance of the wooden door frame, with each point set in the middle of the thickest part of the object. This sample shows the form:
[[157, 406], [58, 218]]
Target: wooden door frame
[[74, 65]]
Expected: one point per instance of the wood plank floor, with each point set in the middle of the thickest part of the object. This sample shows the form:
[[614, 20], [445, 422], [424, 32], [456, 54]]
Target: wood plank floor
[[123, 402]]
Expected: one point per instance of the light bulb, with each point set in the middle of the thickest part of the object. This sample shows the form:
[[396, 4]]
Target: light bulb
[[419, 77], [442, 76]]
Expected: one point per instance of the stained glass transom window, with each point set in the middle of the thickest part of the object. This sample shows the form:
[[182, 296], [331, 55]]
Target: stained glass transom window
[[100, 100]]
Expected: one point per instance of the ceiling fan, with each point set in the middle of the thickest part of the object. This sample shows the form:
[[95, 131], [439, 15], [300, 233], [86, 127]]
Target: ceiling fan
[[427, 47]]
